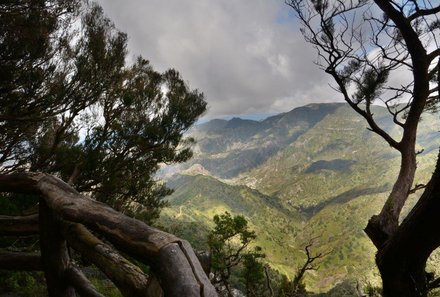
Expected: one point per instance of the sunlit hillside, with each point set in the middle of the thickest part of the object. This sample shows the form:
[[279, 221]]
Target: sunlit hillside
[[313, 171]]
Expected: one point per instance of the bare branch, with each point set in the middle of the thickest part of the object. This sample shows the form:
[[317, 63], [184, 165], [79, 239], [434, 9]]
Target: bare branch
[[423, 12], [309, 264], [434, 54], [416, 188], [268, 282]]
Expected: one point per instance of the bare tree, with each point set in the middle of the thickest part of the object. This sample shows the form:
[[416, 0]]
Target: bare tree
[[309, 265], [368, 47], [296, 288]]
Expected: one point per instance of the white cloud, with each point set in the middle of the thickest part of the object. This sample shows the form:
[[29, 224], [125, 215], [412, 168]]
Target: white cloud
[[245, 55]]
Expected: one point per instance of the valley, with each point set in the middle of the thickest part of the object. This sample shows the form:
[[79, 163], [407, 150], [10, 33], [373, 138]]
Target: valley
[[315, 171]]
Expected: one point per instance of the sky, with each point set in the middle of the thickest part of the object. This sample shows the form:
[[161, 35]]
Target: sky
[[246, 56]]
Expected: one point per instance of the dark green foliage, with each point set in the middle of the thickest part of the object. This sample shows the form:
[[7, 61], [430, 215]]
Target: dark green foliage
[[31, 284], [229, 247], [29, 80], [289, 289], [371, 84], [226, 253], [70, 105], [253, 273]]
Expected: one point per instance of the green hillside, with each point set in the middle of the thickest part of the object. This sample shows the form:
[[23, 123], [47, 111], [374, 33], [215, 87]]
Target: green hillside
[[314, 171], [228, 148], [198, 198]]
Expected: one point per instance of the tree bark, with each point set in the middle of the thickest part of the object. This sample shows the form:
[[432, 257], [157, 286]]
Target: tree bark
[[381, 227], [54, 254], [77, 279], [403, 259], [384, 225], [23, 182], [20, 261]]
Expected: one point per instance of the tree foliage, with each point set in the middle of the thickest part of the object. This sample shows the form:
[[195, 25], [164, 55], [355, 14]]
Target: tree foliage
[[72, 105], [229, 247], [253, 274]]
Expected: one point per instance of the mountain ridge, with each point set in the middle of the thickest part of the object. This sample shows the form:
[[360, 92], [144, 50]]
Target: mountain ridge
[[313, 171]]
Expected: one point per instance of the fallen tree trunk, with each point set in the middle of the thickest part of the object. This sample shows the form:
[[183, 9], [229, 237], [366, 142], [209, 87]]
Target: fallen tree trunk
[[20, 261], [23, 182], [129, 279], [171, 259], [19, 225], [80, 282]]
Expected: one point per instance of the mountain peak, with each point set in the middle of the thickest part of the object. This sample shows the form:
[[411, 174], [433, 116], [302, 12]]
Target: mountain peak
[[239, 122]]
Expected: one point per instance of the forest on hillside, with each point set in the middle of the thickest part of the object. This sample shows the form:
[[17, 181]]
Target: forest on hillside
[[110, 188]]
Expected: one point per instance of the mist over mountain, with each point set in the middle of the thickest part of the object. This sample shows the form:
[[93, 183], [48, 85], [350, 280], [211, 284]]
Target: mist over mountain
[[313, 171]]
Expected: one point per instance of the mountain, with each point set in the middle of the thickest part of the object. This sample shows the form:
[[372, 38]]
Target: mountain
[[313, 171], [228, 148], [198, 198]]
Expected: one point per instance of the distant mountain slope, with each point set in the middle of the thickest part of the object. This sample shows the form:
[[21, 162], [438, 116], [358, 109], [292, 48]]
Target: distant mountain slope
[[336, 156], [314, 171], [228, 148], [198, 198]]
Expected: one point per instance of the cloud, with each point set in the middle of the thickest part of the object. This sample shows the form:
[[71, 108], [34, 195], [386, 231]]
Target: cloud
[[245, 55]]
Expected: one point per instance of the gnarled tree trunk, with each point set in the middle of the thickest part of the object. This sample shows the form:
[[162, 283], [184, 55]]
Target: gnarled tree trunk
[[129, 279], [382, 226], [403, 259]]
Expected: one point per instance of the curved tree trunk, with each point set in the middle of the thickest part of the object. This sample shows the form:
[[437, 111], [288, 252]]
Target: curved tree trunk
[[403, 259], [129, 279], [82, 285], [380, 227]]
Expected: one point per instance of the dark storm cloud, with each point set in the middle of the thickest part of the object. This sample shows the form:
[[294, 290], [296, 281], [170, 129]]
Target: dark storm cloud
[[245, 55]]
